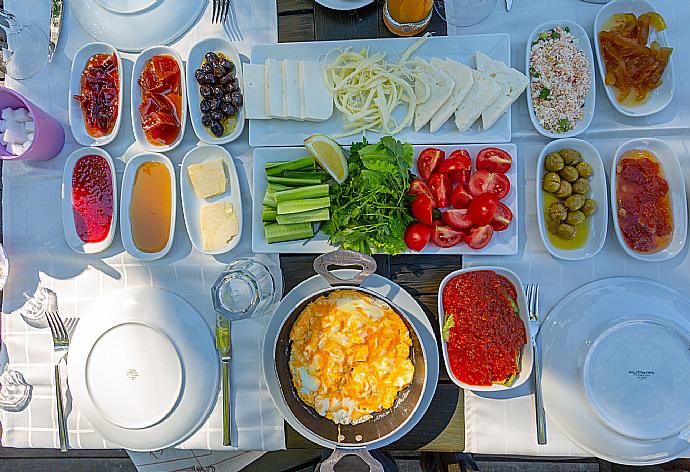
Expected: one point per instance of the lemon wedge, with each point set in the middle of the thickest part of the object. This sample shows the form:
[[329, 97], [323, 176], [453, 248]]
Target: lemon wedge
[[329, 155]]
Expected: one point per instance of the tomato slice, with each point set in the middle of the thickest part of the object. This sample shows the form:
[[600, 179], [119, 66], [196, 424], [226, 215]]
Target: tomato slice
[[459, 219], [502, 218], [441, 189], [428, 161], [494, 160], [457, 166], [461, 196], [479, 236], [417, 235], [484, 181], [419, 187], [445, 236], [482, 209], [422, 209]]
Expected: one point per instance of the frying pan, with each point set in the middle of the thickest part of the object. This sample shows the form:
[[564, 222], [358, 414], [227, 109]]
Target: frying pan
[[351, 438]]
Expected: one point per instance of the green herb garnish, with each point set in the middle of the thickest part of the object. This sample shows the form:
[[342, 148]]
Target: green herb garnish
[[555, 34], [448, 323], [533, 72], [564, 125], [544, 94]]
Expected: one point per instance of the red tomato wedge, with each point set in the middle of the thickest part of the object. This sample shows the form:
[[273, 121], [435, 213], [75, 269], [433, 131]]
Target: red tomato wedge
[[461, 196], [494, 160], [441, 189], [479, 236], [417, 235], [482, 209], [459, 219], [445, 236], [457, 166], [419, 187], [428, 161], [484, 181], [502, 217], [422, 209]]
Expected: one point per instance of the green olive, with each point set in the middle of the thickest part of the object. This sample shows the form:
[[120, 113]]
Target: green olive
[[584, 169], [565, 190], [575, 218], [570, 156], [553, 162], [569, 173], [574, 202], [551, 182], [581, 185], [566, 231], [552, 226], [557, 212], [589, 207]]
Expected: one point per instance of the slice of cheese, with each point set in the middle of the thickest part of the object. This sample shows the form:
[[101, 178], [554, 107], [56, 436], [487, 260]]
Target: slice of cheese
[[441, 88], [291, 90], [208, 178], [462, 76], [512, 83], [316, 99], [255, 91], [482, 94], [274, 90], [219, 225]]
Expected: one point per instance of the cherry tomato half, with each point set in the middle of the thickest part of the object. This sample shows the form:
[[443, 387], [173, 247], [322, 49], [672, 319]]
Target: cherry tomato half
[[461, 197], [441, 189], [494, 160], [502, 217], [419, 187], [479, 236], [484, 181], [482, 209], [457, 166], [458, 219], [428, 161], [417, 235], [445, 236], [422, 209]]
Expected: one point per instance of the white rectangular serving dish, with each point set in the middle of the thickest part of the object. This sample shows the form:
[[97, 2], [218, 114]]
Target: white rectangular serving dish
[[502, 243], [458, 48]]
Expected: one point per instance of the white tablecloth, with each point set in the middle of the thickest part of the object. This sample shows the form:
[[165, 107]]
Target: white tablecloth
[[33, 238]]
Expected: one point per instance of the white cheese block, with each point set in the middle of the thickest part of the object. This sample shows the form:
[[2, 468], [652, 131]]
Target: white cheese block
[[219, 225], [482, 94], [254, 92], [441, 87], [291, 90], [462, 76], [208, 178], [316, 98], [274, 90], [512, 83]]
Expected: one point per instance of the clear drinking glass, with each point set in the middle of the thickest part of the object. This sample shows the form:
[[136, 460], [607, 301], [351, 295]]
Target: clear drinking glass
[[25, 48], [407, 17], [245, 288], [465, 12]]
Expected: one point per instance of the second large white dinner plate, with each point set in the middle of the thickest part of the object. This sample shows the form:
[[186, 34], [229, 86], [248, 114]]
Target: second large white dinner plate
[[616, 370]]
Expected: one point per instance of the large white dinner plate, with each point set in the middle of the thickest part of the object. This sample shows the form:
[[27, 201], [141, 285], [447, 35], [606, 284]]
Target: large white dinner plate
[[143, 368], [503, 242], [134, 25], [458, 48], [616, 370], [344, 4], [382, 286]]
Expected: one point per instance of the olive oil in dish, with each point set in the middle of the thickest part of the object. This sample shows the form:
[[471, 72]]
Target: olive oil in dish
[[581, 236]]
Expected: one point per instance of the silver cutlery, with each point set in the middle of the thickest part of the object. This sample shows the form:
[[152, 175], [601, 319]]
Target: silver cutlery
[[61, 333], [509, 5], [233, 27], [224, 347], [220, 11], [532, 292], [56, 8]]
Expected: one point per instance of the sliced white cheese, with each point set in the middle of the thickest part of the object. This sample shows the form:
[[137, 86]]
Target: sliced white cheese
[[208, 178], [254, 91], [219, 225], [512, 83], [274, 90], [316, 99], [441, 86], [462, 76], [291, 90], [482, 94]]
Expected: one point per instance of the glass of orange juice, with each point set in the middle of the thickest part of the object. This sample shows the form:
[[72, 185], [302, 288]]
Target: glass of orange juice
[[407, 17]]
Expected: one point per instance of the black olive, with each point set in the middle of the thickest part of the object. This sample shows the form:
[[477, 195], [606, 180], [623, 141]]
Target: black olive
[[205, 91], [207, 68], [229, 110], [216, 104], [199, 75], [227, 98], [206, 119], [229, 66], [217, 115], [237, 99], [226, 79], [211, 57], [205, 106], [218, 91], [218, 71], [217, 129], [236, 83], [229, 88], [209, 79]]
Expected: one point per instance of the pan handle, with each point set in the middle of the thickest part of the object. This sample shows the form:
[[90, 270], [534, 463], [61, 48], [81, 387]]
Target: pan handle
[[343, 257], [329, 464]]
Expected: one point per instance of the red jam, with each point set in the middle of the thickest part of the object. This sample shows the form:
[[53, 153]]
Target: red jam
[[92, 198], [486, 334], [161, 100], [100, 94]]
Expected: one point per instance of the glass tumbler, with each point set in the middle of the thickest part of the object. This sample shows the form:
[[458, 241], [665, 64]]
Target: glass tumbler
[[407, 17], [26, 50], [245, 288], [465, 12]]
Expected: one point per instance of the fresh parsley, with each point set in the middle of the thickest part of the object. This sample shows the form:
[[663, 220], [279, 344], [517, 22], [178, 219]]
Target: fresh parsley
[[533, 72], [544, 94], [564, 125]]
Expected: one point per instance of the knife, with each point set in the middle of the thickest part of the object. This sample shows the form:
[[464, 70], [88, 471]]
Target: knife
[[509, 5], [55, 26], [224, 347]]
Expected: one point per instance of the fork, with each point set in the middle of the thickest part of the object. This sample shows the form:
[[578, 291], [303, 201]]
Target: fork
[[233, 28], [532, 292], [61, 333], [220, 11]]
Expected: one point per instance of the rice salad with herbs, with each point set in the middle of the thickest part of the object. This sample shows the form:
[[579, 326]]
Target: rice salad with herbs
[[560, 79]]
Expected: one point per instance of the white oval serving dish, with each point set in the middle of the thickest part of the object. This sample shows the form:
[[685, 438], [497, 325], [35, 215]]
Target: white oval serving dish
[[125, 221], [598, 221], [660, 97], [196, 56], [68, 226], [76, 116], [676, 187], [585, 46], [191, 203], [526, 359], [136, 97]]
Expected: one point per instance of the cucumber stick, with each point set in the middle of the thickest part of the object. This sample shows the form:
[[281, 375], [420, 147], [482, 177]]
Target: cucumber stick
[[276, 233], [269, 214], [297, 164], [322, 214], [273, 188], [313, 191], [269, 200], [294, 182], [298, 206], [301, 174]]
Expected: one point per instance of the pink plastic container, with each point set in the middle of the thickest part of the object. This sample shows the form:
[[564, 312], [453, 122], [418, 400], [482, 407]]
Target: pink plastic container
[[49, 138]]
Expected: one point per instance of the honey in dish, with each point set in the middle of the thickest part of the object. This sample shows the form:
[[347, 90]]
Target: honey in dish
[[151, 206]]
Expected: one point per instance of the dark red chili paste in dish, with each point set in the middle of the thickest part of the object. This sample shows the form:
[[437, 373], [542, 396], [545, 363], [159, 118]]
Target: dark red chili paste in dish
[[92, 198], [482, 328], [99, 95]]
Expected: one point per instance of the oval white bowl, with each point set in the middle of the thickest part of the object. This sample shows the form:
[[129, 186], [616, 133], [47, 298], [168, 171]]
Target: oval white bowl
[[676, 187], [68, 226], [196, 56], [191, 203], [76, 116], [136, 97], [585, 46], [597, 222], [126, 201], [527, 358], [661, 96]]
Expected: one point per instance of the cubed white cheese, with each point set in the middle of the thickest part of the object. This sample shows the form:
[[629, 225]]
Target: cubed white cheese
[[291, 90], [318, 100], [255, 91], [274, 90]]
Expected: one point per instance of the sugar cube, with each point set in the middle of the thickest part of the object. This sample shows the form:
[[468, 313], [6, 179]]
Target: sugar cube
[[30, 136], [12, 136], [27, 145], [30, 127], [3, 126], [21, 115], [7, 114], [16, 149]]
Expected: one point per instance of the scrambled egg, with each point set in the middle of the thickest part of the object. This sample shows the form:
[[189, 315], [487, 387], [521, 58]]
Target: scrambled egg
[[350, 356]]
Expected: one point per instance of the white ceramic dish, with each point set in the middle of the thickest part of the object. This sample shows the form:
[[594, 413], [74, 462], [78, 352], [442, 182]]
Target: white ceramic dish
[[344, 4], [136, 98], [597, 222], [76, 116], [526, 359], [585, 46], [196, 57], [458, 48], [661, 96], [191, 203], [69, 228], [604, 371], [673, 174], [126, 200], [397, 296], [126, 6], [503, 242], [131, 341]]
